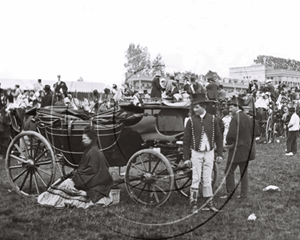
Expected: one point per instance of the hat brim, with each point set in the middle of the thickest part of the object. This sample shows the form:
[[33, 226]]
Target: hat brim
[[203, 101]]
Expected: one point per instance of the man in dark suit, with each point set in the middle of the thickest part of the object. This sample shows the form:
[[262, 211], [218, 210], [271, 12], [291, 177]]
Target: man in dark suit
[[212, 89], [60, 87], [48, 98], [201, 134], [156, 87], [240, 136]]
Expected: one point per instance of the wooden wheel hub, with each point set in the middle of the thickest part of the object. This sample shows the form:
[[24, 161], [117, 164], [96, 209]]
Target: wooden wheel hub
[[148, 178]]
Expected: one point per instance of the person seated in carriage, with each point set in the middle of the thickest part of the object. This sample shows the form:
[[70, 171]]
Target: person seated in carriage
[[88, 185], [201, 133]]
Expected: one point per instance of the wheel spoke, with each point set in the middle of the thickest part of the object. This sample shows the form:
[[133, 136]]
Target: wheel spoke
[[44, 171], [30, 182], [44, 162], [38, 158], [36, 185], [149, 169], [19, 175], [31, 155], [17, 158], [141, 191], [20, 151], [25, 146], [143, 163], [134, 186], [137, 168], [39, 175], [15, 167], [155, 166], [155, 194], [163, 179], [159, 188], [183, 186], [24, 181], [37, 148]]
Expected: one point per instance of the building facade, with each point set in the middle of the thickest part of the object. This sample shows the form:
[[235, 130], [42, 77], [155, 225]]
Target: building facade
[[263, 73]]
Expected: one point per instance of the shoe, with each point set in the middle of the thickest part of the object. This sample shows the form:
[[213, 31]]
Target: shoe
[[289, 154], [210, 206], [194, 208]]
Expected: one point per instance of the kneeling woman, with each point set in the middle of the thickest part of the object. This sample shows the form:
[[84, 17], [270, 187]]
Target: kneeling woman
[[90, 183]]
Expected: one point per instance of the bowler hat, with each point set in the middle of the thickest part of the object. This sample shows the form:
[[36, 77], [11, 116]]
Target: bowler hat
[[237, 101], [47, 88]]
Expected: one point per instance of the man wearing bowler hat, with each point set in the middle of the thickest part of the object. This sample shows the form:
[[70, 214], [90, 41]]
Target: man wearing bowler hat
[[201, 133], [240, 136], [48, 98]]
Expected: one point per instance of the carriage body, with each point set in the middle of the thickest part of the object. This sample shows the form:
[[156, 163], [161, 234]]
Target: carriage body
[[144, 139]]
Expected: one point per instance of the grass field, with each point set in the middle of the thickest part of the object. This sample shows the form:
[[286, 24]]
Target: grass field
[[278, 213]]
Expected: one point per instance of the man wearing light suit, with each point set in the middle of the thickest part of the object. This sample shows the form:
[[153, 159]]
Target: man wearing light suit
[[201, 134]]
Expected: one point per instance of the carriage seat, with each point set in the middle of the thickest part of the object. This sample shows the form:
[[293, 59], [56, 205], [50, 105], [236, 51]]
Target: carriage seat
[[60, 111]]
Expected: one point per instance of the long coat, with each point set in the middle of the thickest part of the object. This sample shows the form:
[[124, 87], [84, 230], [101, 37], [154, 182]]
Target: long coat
[[92, 174], [239, 134], [156, 88]]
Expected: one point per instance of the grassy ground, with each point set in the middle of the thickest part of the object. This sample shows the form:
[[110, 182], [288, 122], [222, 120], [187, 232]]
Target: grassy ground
[[278, 213]]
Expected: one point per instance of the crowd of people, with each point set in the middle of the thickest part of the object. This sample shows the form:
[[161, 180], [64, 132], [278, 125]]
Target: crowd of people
[[204, 135]]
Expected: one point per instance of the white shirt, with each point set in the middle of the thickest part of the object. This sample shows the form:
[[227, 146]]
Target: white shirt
[[294, 123], [205, 146]]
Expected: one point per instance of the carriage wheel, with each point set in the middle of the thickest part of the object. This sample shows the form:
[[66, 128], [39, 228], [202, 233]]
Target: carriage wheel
[[183, 182], [30, 163], [149, 178]]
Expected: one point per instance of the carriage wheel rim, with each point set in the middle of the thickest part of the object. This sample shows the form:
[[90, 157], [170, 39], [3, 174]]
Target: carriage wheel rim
[[35, 170]]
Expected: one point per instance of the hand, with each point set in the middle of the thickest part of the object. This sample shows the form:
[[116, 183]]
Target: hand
[[219, 159], [187, 163]]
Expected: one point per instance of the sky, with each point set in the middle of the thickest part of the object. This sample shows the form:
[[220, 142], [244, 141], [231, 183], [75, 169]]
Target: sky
[[88, 39]]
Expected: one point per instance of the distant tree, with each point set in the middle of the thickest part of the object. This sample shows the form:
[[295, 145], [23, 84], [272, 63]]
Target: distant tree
[[80, 79], [138, 59], [158, 65]]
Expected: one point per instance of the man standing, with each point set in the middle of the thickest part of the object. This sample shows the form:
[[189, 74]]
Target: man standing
[[48, 98], [293, 126], [60, 87], [212, 89], [270, 88], [222, 94], [156, 87], [38, 86], [239, 135], [200, 135]]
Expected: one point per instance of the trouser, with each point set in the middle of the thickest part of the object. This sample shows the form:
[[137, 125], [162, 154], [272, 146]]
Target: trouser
[[230, 183], [291, 142], [202, 162]]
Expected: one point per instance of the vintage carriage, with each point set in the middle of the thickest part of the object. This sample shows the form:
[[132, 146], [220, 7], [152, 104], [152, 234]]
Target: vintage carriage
[[146, 140]]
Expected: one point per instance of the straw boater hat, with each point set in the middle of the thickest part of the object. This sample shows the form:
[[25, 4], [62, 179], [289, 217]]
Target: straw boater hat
[[237, 101], [269, 80]]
